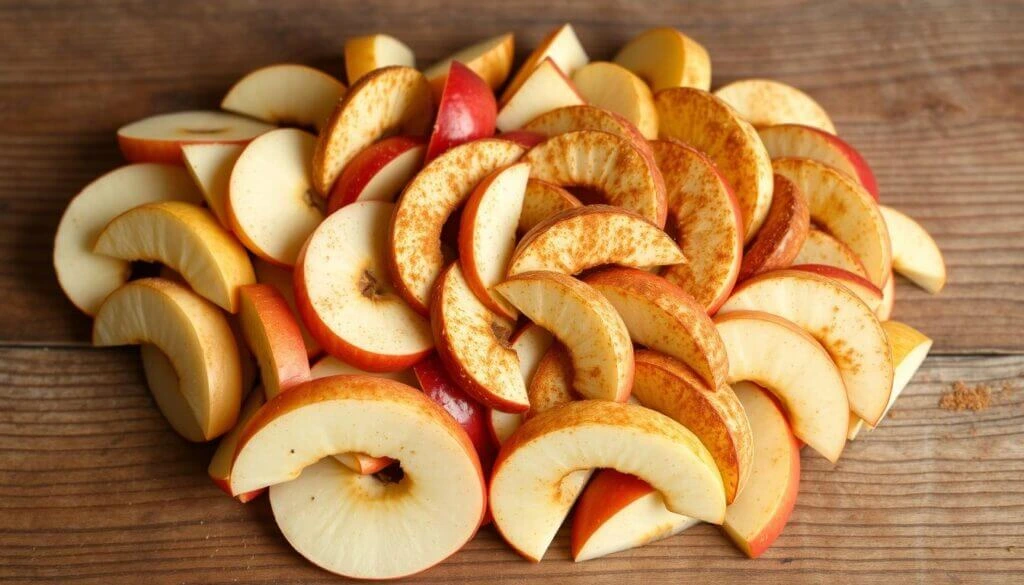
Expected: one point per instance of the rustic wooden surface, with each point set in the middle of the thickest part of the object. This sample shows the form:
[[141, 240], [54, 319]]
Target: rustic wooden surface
[[94, 487]]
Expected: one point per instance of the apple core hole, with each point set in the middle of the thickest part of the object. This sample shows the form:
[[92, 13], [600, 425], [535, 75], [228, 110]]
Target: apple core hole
[[391, 475], [369, 286]]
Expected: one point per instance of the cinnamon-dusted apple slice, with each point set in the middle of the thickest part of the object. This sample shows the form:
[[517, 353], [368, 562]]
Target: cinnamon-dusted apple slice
[[613, 87], [371, 52], [577, 239], [783, 233], [547, 88], [587, 117], [798, 141], [272, 334], [379, 172], [821, 248], [407, 522], [585, 322], [551, 384], [472, 341], [223, 460], [884, 310], [187, 239], [778, 355], [160, 138], [841, 207], [530, 344], [765, 102], [285, 94], [491, 59], [541, 201], [210, 166], [527, 496], [839, 320], [914, 252], [283, 280], [561, 46], [870, 294], [605, 163], [434, 194], [707, 222], [195, 337], [665, 57], [708, 124], [391, 100]]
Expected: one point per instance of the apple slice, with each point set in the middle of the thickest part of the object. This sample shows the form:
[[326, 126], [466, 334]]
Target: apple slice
[[285, 95], [527, 495], [835, 317], [271, 203], [487, 234], [491, 59], [541, 201], [467, 411], [530, 344], [585, 117], [783, 233], [841, 207], [85, 276], [392, 100], [551, 384], [223, 460], [665, 57], [781, 357], [884, 310], [346, 299], [707, 222], [613, 87], [759, 514], [797, 141], [210, 166], [467, 111], [194, 336], [821, 248], [708, 124], [434, 194], [608, 164], [164, 385], [577, 239], [283, 280], [909, 349], [585, 322], [545, 89], [561, 46], [914, 252], [379, 172], [407, 522], [870, 294], [371, 52], [160, 138], [186, 238], [274, 337], [764, 102]]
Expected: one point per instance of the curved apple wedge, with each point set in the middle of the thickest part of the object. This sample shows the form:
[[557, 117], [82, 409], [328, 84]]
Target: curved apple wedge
[[194, 336], [160, 138], [585, 322], [587, 117], [283, 281], [527, 496], [223, 460], [405, 523], [164, 385], [765, 102], [379, 172], [783, 233], [273, 335], [798, 141], [530, 343], [914, 253], [862, 287], [780, 356], [541, 201], [187, 239], [821, 248], [285, 94], [665, 57], [613, 87]]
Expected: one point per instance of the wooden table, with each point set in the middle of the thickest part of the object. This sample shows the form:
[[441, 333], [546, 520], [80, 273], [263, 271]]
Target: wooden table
[[95, 488]]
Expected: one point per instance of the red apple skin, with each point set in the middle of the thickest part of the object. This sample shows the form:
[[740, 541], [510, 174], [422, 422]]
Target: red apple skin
[[470, 414], [524, 138], [365, 166], [608, 492], [839, 274], [467, 111], [864, 172], [287, 345]]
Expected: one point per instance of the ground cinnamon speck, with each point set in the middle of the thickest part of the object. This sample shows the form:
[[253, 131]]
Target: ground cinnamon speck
[[964, 397]]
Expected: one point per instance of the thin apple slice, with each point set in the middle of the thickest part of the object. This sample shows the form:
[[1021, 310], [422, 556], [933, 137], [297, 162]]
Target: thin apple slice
[[530, 344], [613, 87], [527, 498], [379, 172], [346, 299], [164, 385], [841, 207], [665, 57], [909, 349], [271, 203], [223, 460], [821, 248], [765, 102], [285, 95], [186, 238], [586, 117], [272, 334], [884, 310], [708, 124], [159, 138], [210, 166], [371, 52], [783, 233], [545, 89], [778, 355], [392, 100], [870, 294], [798, 141], [707, 221], [466, 111], [283, 280], [416, 259], [561, 46], [541, 201], [835, 317], [85, 276], [491, 59], [194, 336], [914, 253]]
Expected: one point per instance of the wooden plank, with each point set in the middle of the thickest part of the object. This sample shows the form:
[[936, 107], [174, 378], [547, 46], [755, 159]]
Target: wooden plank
[[927, 90], [95, 488]]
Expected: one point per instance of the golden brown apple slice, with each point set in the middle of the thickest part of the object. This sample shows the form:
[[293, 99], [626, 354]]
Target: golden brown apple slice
[[527, 499], [371, 52], [587, 117], [392, 100], [283, 280], [708, 124], [272, 334], [608, 164], [194, 336], [585, 322], [665, 57], [160, 138], [530, 344], [285, 94], [613, 87], [821, 248], [561, 46], [914, 253], [764, 102], [210, 166], [707, 222], [783, 233], [798, 141], [545, 89], [491, 59], [186, 238], [407, 522], [223, 460], [85, 276], [541, 201]]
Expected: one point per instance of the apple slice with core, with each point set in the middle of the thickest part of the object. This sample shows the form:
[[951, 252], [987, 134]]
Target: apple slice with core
[[783, 233], [530, 344], [272, 334], [285, 95], [283, 280], [541, 201], [561, 46], [379, 172], [665, 57], [491, 59], [797, 141], [210, 166], [914, 252], [467, 111], [613, 87], [545, 89], [586, 117], [821, 248], [371, 52], [223, 460], [160, 138], [870, 294], [764, 102]]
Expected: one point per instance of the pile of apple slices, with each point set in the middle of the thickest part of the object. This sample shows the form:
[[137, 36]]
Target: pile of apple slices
[[639, 299]]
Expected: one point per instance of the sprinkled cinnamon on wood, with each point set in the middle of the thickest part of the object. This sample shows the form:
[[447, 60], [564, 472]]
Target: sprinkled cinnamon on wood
[[964, 397]]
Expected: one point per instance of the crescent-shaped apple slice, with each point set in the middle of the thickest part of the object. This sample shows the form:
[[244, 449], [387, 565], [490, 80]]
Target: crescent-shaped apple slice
[[840, 321], [317, 501], [576, 239], [160, 138], [608, 164], [783, 233], [223, 460], [862, 287], [541, 201], [821, 248], [285, 94], [194, 336], [914, 253], [273, 335], [796, 140], [781, 357], [527, 499], [766, 102], [189, 240], [587, 117], [585, 322]]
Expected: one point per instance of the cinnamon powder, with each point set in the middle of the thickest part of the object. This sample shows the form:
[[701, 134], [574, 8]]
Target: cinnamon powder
[[964, 397]]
